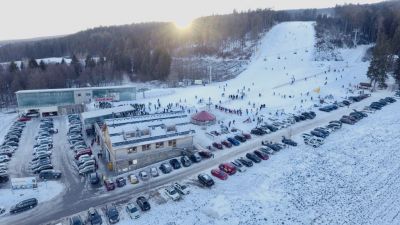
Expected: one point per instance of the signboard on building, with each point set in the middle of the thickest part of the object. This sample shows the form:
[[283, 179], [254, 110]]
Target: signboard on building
[[109, 98]]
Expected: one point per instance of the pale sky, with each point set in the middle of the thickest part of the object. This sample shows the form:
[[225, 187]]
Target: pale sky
[[21, 19]]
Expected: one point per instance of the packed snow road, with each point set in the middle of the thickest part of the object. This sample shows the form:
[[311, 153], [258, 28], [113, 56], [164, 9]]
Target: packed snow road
[[75, 199]]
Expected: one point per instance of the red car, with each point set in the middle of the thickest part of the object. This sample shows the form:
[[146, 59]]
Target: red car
[[219, 173], [262, 155], [247, 136], [24, 119], [109, 184], [227, 168], [205, 154], [226, 144], [217, 145]]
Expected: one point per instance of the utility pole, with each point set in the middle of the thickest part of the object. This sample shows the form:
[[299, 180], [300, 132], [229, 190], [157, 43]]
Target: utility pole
[[210, 77]]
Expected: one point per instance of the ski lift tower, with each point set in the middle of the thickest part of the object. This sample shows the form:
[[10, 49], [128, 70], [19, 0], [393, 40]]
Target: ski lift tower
[[209, 74]]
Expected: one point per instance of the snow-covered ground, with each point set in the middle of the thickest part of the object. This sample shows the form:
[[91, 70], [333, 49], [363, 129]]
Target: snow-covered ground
[[352, 179], [45, 192]]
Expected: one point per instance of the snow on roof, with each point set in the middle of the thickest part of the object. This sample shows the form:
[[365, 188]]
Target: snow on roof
[[155, 127], [104, 112], [72, 89], [145, 118]]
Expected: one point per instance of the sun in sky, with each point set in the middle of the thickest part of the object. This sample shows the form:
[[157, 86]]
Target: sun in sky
[[183, 24]]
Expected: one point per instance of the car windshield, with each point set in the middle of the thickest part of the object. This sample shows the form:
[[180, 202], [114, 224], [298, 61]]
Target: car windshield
[[172, 191], [133, 210]]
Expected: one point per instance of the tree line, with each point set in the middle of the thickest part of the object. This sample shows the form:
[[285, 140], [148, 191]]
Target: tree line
[[374, 23]]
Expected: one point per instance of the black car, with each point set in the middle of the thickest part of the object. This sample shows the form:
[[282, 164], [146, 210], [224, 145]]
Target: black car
[[186, 161], [50, 174], [4, 178], [322, 130], [289, 141], [195, 157], [120, 181], [307, 115], [318, 134], [143, 203], [205, 180], [258, 131], [273, 146], [165, 168], [240, 138], [24, 205], [245, 162], [175, 164], [112, 214], [345, 102], [94, 217], [253, 157], [76, 220]]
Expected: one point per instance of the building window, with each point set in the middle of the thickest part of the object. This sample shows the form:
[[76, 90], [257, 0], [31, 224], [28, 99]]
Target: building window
[[172, 143], [159, 144], [145, 147], [88, 94], [132, 150], [79, 95]]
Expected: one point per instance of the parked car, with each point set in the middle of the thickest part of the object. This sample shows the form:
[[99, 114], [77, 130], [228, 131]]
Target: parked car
[[219, 173], [94, 178], [175, 164], [261, 155], [217, 145], [253, 157], [143, 203], [186, 161], [109, 184], [240, 138], [133, 179], [226, 144], [172, 193], [120, 181], [132, 211], [154, 171], [112, 214], [233, 141], [165, 168], [50, 174], [227, 168], [288, 141], [24, 205], [195, 157], [43, 167], [205, 154], [76, 220], [247, 136], [144, 175], [87, 169], [94, 217], [4, 177], [205, 180], [245, 162], [181, 188]]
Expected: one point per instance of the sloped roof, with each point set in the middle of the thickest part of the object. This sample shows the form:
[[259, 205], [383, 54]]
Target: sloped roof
[[203, 116]]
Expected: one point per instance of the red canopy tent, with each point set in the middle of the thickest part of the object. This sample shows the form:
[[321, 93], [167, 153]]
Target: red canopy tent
[[203, 118]]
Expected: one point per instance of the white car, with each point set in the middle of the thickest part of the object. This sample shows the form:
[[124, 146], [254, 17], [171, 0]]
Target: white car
[[132, 211], [172, 193], [88, 169], [181, 188], [154, 172], [144, 175]]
